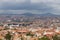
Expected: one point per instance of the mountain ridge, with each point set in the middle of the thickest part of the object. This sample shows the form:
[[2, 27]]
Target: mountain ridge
[[31, 14]]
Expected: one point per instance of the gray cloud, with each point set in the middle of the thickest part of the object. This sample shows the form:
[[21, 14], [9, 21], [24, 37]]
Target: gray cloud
[[34, 6]]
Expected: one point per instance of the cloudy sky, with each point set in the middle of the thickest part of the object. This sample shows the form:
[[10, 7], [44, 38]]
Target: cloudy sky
[[33, 6]]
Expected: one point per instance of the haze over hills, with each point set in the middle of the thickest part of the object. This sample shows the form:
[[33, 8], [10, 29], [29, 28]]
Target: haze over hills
[[29, 14]]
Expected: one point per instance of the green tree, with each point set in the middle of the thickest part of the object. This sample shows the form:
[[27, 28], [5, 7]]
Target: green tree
[[8, 36], [56, 37], [44, 38], [21, 38], [29, 34]]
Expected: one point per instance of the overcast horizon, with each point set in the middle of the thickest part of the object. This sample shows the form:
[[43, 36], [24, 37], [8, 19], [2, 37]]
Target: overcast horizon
[[33, 6]]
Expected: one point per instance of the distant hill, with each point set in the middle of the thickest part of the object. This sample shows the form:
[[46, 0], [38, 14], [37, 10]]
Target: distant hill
[[28, 14], [45, 14], [48, 14], [31, 14]]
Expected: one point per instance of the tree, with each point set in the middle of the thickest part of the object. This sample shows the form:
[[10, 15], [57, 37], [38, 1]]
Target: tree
[[8, 36], [56, 37], [44, 38], [21, 38], [29, 34]]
